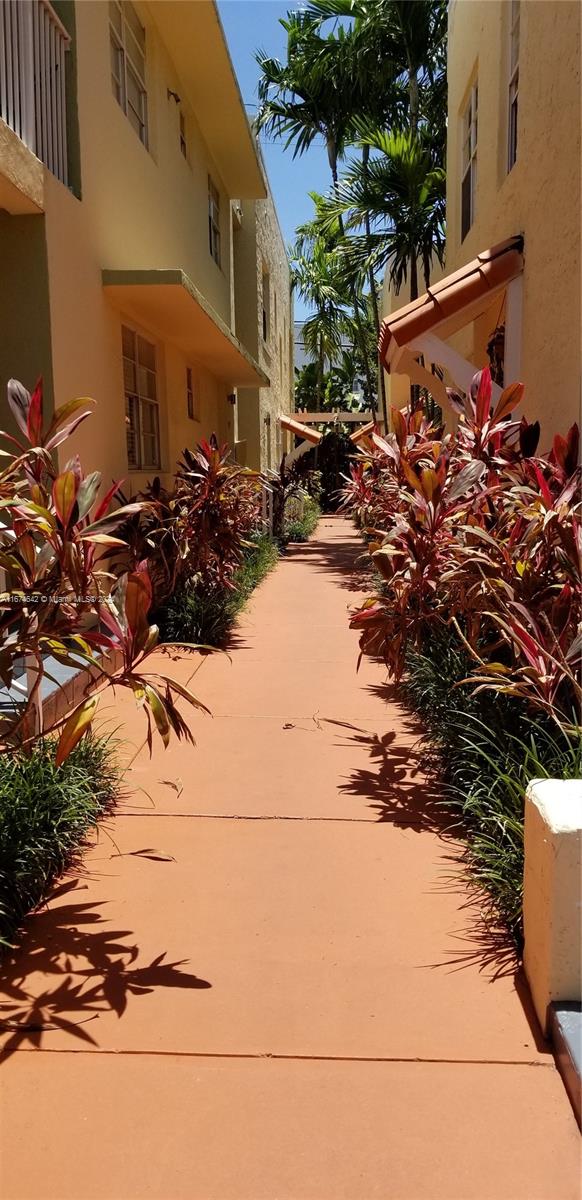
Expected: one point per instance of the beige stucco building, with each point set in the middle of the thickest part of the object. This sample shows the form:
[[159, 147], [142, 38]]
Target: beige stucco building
[[264, 320], [513, 171], [126, 161]]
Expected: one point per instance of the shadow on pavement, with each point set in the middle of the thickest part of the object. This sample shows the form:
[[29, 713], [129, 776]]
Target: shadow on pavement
[[88, 969], [396, 783]]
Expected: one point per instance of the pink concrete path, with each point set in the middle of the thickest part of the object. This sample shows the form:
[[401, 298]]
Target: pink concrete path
[[268, 984]]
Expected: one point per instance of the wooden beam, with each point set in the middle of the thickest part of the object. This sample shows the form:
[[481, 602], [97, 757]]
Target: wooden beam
[[333, 418], [298, 452], [439, 352]]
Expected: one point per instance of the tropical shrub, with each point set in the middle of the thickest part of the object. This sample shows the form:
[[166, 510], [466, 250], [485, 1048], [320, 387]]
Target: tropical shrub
[[64, 602], [476, 540], [284, 485], [300, 528], [476, 531], [487, 749], [205, 614], [46, 812], [151, 535], [217, 506]]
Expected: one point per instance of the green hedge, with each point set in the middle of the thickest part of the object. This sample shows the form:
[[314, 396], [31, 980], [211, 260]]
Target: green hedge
[[206, 615], [45, 815], [488, 747], [301, 530]]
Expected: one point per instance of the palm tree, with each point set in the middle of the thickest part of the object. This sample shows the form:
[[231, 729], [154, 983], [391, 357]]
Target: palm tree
[[399, 199], [314, 94], [317, 279], [410, 35]]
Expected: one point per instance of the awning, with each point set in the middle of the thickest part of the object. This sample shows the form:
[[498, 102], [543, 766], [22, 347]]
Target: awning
[[168, 303], [302, 431], [452, 302]]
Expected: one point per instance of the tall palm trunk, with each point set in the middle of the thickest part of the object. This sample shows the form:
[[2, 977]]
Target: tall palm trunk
[[374, 294], [320, 374], [413, 99], [332, 156], [413, 277]]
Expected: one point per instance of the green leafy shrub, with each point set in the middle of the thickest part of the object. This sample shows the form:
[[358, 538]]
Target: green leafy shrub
[[205, 614], [300, 530], [45, 815], [477, 538], [487, 748]]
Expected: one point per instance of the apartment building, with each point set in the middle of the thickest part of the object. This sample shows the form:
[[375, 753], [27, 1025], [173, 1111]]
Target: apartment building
[[125, 158], [264, 321], [510, 292]]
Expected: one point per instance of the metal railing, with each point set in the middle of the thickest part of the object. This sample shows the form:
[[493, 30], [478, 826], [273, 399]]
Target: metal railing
[[33, 44]]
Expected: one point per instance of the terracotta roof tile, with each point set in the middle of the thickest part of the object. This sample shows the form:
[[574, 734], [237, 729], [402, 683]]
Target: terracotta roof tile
[[302, 431], [363, 432], [490, 270]]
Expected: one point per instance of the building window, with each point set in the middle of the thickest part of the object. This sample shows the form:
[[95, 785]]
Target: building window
[[127, 45], [266, 302], [469, 164], [192, 396], [513, 84], [183, 142], [141, 400], [214, 221]]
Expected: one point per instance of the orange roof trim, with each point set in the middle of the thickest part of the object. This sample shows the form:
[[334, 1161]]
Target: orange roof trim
[[364, 432], [302, 431], [491, 270]]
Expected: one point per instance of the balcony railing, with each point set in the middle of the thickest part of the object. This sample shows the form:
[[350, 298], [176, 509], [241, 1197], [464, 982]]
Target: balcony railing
[[33, 43]]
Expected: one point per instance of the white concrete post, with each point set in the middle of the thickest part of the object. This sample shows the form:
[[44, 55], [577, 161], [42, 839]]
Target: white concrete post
[[552, 892]]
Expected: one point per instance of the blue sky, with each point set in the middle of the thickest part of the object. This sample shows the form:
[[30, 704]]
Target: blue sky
[[252, 25]]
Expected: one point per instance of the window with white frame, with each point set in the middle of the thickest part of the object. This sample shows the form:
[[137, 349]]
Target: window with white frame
[[127, 45], [513, 84], [141, 400], [192, 396], [214, 221], [469, 162]]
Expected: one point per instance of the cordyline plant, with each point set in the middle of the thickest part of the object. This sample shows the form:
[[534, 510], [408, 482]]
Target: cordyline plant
[[477, 531], [151, 534], [60, 600], [217, 506], [284, 484]]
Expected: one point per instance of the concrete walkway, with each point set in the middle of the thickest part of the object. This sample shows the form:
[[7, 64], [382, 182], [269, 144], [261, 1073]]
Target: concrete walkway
[[268, 983]]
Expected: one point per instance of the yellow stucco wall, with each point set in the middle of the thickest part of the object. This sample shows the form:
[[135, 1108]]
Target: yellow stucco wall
[[260, 252], [539, 197], [138, 209], [145, 208]]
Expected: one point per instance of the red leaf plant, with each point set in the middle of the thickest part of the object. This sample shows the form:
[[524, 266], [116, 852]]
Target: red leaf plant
[[61, 600], [217, 506], [477, 531]]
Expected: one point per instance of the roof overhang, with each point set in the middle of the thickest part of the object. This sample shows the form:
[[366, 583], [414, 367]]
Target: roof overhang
[[168, 303], [302, 431], [452, 302], [196, 44]]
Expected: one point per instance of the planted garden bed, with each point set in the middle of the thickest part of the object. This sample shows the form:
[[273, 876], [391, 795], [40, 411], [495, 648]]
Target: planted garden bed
[[475, 537]]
